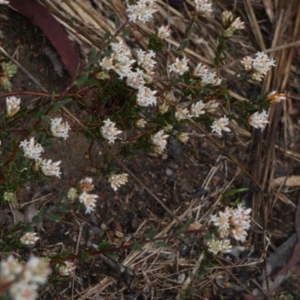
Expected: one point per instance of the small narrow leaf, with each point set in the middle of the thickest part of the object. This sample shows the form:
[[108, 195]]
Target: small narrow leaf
[[83, 78]]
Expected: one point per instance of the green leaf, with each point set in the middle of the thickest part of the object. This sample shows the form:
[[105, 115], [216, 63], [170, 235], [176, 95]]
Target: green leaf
[[38, 113], [185, 44], [85, 256], [107, 36], [136, 246], [30, 128], [53, 217], [161, 244], [58, 105], [125, 32], [117, 23], [103, 246], [150, 234], [112, 256], [83, 78], [233, 192]]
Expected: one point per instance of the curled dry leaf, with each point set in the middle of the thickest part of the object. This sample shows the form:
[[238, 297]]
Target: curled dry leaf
[[293, 180]]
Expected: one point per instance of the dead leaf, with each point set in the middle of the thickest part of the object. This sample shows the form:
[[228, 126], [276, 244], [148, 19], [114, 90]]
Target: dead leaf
[[293, 180]]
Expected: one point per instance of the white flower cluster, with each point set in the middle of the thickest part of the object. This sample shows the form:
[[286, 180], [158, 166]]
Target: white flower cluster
[[121, 62], [163, 32], [230, 24], [29, 238], [203, 7], [59, 129], [159, 140], [258, 66], [215, 246], [179, 66], [233, 222], [4, 2], [12, 105], [21, 280], [66, 268], [259, 120], [116, 180], [32, 150], [142, 11], [89, 200], [109, 131], [220, 124], [207, 77]]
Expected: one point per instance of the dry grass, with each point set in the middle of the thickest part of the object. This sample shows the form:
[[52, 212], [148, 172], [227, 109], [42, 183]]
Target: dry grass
[[271, 26]]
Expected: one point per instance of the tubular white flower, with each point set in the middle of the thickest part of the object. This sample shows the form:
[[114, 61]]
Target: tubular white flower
[[140, 123], [203, 7], [116, 180], [182, 114], [163, 32], [89, 201], [59, 129], [50, 168], [109, 131], [142, 11], [66, 268], [145, 97], [259, 120], [144, 59], [197, 109], [220, 125], [31, 150], [183, 137], [12, 105], [215, 246], [135, 79], [37, 270], [211, 106], [159, 140], [29, 238], [86, 184], [179, 66]]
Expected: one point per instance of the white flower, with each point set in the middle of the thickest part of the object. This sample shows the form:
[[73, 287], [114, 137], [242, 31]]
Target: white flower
[[211, 106], [145, 60], [163, 108], [206, 76], [50, 168], [4, 2], [86, 184], [179, 66], [275, 97], [145, 97], [31, 150], [234, 222], [203, 7], [220, 125], [72, 194], [135, 79], [140, 123], [215, 246], [259, 120], [116, 180], [197, 109], [120, 60], [142, 11], [247, 63], [163, 32], [29, 238], [89, 200], [109, 131], [182, 114], [183, 137], [12, 105], [66, 268], [237, 24], [59, 129], [37, 270], [262, 63], [159, 140], [9, 269]]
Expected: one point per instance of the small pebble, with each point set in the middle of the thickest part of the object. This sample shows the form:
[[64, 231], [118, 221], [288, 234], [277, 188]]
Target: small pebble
[[169, 172]]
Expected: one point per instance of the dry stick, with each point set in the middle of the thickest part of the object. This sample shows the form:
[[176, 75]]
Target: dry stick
[[253, 21]]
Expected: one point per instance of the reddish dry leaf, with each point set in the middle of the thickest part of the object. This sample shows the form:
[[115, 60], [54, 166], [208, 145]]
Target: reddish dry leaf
[[54, 31]]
